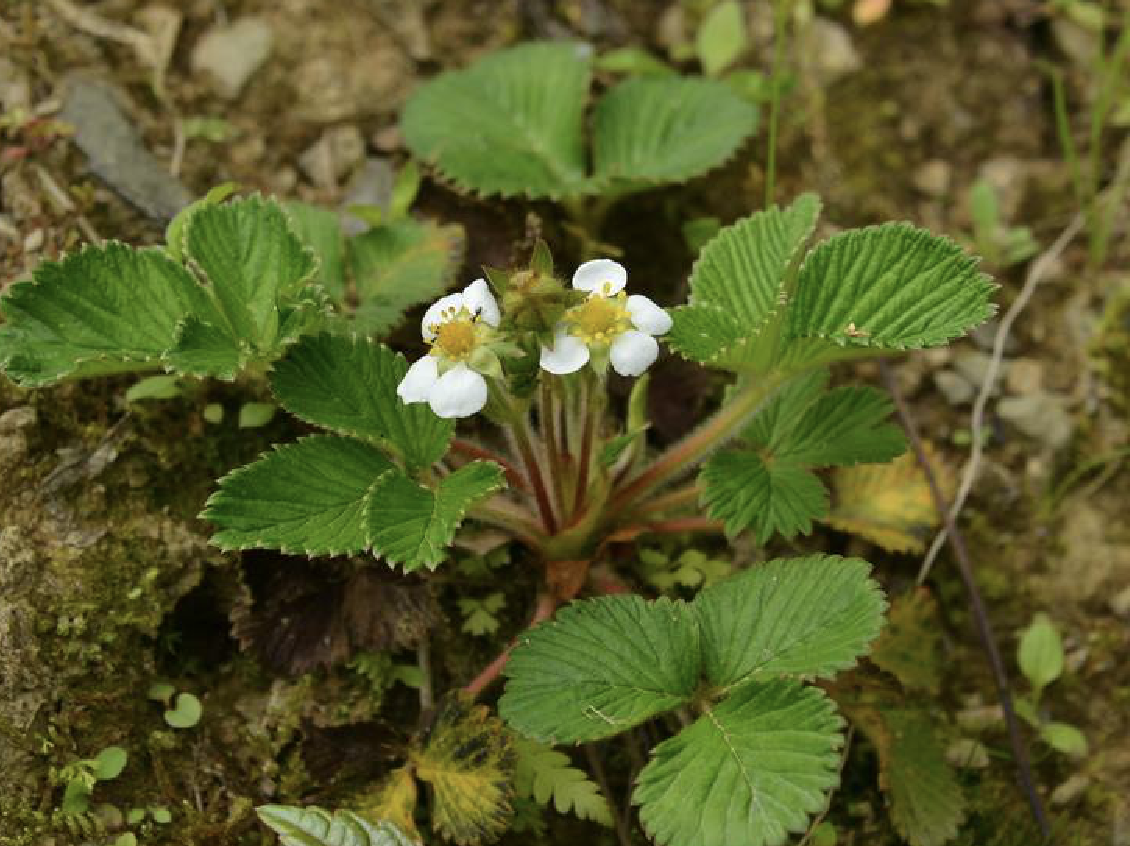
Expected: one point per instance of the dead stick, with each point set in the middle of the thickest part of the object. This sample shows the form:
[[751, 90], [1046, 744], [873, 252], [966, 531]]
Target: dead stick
[[980, 614]]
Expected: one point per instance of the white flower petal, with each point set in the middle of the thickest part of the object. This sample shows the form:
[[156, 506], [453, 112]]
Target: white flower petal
[[600, 276], [419, 379], [633, 353], [479, 300], [567, 355], [439, 312], [460, 392], [647, 316]]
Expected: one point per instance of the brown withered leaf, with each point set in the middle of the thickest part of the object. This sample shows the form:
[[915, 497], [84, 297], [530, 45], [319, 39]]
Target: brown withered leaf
[[909, 647], [468, 759], [889, 504], [358, 752], [303, 617]]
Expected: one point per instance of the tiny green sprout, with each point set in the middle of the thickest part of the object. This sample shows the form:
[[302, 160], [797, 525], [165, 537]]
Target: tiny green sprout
[[213, 413], [185, 713], [110, 762], [480, 616], [253, 415], [154, 387], [1041, 658], [135, 816], [161, 815], [126, 839]]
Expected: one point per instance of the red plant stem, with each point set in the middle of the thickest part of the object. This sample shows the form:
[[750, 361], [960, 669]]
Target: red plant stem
[[544, 609], [513, 474], [696, 446], [513, 518], [674, 526], [584, 460], [980, 614], [520, 432], [547, 413]]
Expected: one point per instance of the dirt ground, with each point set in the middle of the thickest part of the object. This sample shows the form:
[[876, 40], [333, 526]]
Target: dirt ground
[[106, 579]]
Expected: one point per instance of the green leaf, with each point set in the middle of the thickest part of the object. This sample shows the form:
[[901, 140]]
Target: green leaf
[[721, 38], [888, 287], [909, 647], [154, 387], [105, 309], [739, 488], [110, 762], [348, 385], [1064, 738], [253, 415], [404, 190], [600, 667], [652, 130], [206, 349], [509, 124], [1041, 652], [412, 525], [468, 760], [632, 60], [320, 230], [306, 498], [738, 283], [185, 713], [751, 770], [315, 827], [400, 265], [258, 269], [544, 774], [927, 805], [76, 798], [808, 616]]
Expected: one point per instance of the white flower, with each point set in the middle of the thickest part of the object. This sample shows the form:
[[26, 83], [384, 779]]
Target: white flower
[[457, 327], [608, 320]]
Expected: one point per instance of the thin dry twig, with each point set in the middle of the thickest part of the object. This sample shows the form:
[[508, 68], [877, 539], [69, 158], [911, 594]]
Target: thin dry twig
[[980, 614], [1036, 274]]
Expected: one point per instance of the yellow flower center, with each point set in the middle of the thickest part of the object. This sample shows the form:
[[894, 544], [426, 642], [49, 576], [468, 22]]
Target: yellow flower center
[[600, 319], [456, 338]]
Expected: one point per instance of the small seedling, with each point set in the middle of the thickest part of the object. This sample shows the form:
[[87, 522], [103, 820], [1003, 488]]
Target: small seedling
[[182, 710], [1041, 660], [81, 777]]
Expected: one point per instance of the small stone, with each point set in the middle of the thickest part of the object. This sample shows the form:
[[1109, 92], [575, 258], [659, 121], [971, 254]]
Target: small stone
[[1025, 376], [34, 240], [1041, 416], [1008, 176], [974, 366], [1070, 790], [954, 387], [980, 717], [833, 55], [18, 418], [1078, 43], [371, 186], [933, 177], [231, 54], [985, 335], [1120, 602], [333, 156], [967, 754]]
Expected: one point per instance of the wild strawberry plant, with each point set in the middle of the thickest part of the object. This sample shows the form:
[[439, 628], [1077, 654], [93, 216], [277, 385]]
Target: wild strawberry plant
[[557, 471]]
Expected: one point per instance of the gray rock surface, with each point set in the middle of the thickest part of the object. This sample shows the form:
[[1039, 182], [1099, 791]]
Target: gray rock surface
[[231, 54]]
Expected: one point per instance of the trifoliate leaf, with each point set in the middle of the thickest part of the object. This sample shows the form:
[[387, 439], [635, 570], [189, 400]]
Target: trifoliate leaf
[[909, 647], [105, 309], [889, 504], [654, 130], [739, 488], [315, 827], [468, 760], [394, 802], [751, 770], [890, 287], [927, 805], [258, 270], [303, 498], [509, 124], [348, 385], [721, 38], [399, 265], [320, 230], [1041, 652], [542, 773], [412, 525], [600, 667], [737, 286], [480, 616], [807, 616]]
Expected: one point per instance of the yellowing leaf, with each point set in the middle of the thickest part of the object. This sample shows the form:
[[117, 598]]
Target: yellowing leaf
[[909, 646], [395, 802], [468, 759], [888, 504]]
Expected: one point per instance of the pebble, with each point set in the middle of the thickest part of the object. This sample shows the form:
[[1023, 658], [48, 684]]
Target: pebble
[[967, 754], [1120, 602], [1070, 790], [980, 717], [231, 54], [371, 186], [114, 148], [833, 53], [34, 240], [333, 156], [974, 366], [954, 387], [985, 335], [1008, 176], [1025, 376], [933, 177], [1041, 416], [18, 418]]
